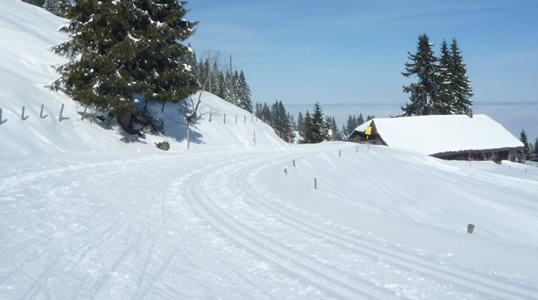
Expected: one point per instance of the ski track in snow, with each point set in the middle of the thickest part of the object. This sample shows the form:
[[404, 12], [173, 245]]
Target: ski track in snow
[[178, 231]]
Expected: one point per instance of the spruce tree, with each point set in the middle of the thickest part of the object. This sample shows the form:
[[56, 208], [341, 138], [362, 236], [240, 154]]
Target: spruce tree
[[446, 97], [244, 93], [423, 94], [360, 120], [536, 149], [308, 129], [119, 48], [526, 147], [461, 85], [319, 126], [215, 78], [300, 122]]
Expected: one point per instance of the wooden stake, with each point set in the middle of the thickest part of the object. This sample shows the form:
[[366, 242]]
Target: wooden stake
[[22, 114], [188, 138], [41, 113], [60, 117]]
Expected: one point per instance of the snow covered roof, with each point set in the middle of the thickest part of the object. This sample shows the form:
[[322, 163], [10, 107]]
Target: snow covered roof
[[443, 133]]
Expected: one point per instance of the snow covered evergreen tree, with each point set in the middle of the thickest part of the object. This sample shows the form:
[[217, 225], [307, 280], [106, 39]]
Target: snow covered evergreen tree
[[423, 94], [308, 131], [461, 85], [119, 48], [300, 122], [319, 130], [244, 93], [445, 101], [526, 147]]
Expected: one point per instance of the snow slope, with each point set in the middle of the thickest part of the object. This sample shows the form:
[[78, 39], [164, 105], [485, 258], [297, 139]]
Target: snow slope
[[84, 216]]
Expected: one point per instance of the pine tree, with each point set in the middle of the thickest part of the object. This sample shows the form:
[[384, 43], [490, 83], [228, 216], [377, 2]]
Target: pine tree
[[319, 127], [424, 92], [461, 85], [125, 47], [215, 78], [360, 120], [446, 97], [244, 93], [536, 149], [308, 129], [351, 124], [526, 147], [300, 122]]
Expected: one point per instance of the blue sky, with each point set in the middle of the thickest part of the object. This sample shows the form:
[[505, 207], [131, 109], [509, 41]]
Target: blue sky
[[346, 52]]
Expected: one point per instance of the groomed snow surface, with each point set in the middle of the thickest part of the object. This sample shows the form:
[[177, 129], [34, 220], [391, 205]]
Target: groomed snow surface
[[84, 216]]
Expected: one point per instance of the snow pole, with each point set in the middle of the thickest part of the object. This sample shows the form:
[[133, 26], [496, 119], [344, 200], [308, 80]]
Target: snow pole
[[41, 113], [315, 183], [188, 134], [22, 114], [225, 118], [235, 118], [293, 163], [339, 153], [61, 113]]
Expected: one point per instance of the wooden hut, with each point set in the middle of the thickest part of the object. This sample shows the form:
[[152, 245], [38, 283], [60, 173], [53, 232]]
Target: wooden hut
[[452, 137]]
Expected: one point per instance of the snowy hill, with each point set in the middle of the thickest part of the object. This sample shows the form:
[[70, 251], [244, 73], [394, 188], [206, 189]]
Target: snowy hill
[[27, 70], [85, 216]]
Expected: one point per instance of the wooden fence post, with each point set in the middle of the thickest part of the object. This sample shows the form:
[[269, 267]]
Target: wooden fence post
[[61, 113], [470, 228], [188, 134]]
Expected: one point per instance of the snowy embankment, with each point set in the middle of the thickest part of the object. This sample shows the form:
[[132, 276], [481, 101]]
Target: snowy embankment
[[83, 215]]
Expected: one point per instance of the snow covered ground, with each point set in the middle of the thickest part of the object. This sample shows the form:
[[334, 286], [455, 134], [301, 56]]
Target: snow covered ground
[[84, 216]]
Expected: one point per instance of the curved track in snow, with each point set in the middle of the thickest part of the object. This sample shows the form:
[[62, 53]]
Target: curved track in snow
[[197, 226]]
